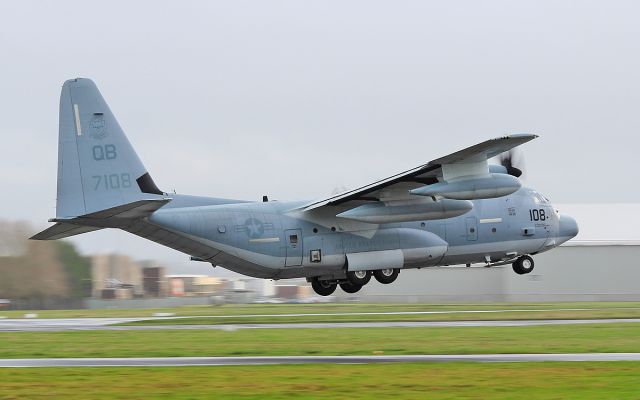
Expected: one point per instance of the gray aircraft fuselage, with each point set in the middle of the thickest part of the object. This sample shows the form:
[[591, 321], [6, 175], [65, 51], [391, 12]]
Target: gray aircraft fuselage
[[266, 240]]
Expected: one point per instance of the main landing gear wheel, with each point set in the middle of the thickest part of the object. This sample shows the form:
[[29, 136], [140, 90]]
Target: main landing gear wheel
[[322, 287], [386, 276], [359, 278], [349, 287], [523, 265]]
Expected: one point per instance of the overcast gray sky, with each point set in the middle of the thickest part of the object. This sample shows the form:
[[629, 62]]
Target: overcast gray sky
[[295, 98]]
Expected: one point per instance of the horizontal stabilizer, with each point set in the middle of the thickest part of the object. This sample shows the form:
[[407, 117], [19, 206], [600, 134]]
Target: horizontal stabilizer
[[62, 230], [111, 217], [136, 209]]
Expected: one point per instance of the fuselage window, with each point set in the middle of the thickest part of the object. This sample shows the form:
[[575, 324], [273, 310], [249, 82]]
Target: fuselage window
[[293, 239]]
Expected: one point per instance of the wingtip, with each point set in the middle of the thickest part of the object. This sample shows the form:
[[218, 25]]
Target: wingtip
[[529, 136]]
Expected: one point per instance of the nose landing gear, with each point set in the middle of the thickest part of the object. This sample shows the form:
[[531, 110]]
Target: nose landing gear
[[523, 265]]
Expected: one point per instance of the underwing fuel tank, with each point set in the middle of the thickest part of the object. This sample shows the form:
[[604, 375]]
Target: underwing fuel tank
[[486, 187], [391, 212]]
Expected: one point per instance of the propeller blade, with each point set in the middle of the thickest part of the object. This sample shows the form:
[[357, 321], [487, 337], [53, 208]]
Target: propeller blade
[[509, 160]]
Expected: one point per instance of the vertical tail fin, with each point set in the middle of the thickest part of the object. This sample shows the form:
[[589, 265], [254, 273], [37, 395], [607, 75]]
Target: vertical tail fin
[[97, 166]]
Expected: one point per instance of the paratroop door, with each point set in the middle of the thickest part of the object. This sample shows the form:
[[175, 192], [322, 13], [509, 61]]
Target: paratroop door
[[293, 238]]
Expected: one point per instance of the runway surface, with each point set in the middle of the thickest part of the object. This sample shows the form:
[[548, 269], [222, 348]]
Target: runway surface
[[52, 324], [83, 324], [218, 361]]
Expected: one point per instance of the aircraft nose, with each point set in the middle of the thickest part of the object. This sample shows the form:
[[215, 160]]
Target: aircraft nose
[[568, 227]]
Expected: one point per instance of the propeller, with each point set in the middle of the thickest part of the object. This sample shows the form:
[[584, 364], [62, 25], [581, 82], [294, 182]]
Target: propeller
[[509, 160]]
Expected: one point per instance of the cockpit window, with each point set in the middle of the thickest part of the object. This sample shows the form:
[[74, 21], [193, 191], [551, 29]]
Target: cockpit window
[[539, 198]]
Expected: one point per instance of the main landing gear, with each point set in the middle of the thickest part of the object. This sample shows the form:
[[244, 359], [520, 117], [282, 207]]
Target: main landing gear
[[386, 276], [349, 287], [523, 265], [355, 281], [323, 287], [359, 277]]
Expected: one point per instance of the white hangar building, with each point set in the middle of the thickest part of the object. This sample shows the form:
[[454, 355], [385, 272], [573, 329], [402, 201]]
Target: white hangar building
[[601, 264]]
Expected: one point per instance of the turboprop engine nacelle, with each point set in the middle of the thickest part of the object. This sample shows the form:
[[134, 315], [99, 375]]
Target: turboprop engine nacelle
[[469, 188], [390, 212]]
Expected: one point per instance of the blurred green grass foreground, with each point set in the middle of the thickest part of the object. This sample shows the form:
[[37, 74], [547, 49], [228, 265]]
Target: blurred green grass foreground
[[582, 381], [582, 338], [534, 380]]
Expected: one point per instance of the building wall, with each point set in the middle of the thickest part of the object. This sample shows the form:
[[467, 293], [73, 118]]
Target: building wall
[[585, 273], [154, 282], [568, 273], [154, 279], [114, 266]]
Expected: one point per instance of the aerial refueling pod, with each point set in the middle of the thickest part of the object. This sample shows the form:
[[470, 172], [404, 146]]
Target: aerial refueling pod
[[403, 211], [472, 188]]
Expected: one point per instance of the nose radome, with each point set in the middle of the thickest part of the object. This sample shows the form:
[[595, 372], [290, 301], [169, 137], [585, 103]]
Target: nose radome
[[568, 227]]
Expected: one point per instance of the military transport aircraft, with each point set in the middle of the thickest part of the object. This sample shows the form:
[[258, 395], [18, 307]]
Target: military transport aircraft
[[457, 209]]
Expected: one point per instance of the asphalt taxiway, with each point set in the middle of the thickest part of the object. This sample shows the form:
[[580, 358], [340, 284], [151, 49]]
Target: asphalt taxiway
[[67, 324], [219, 361]]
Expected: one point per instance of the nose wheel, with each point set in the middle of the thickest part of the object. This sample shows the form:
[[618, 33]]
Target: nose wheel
[[523, 265]]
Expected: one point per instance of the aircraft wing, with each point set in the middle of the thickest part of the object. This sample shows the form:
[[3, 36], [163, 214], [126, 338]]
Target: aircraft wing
[[468, 162]]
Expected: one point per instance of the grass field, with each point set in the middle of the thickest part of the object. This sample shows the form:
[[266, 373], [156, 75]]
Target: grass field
[[582, 381], [623, 337], [229, 313], [579, 380]]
